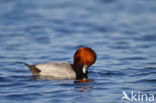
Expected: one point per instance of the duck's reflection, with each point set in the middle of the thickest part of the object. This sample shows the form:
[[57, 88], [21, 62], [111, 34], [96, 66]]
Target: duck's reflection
[[79, 81], [82, 81], [83, 87], [81, 84]]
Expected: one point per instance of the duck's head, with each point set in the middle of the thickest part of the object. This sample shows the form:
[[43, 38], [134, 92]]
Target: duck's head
[[83, 58]]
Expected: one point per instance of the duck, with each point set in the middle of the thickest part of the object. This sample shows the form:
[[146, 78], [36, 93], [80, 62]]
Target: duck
[[83, 58]]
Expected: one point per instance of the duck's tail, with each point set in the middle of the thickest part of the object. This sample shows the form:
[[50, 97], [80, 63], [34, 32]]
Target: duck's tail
[[32, 68]]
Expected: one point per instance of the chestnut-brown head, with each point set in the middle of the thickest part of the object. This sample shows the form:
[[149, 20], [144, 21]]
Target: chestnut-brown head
[[83, 58]]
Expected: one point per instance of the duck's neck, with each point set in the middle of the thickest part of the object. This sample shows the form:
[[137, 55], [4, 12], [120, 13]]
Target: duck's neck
[[79, 73]]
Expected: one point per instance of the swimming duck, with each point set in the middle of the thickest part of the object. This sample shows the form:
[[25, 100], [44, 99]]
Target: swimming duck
[[83, 58]]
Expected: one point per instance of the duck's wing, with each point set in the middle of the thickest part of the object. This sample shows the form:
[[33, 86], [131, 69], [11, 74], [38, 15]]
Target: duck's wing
[[59, 69]]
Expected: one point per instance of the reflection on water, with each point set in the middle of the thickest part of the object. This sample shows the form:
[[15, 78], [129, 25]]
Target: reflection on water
[[84, 89], [81, 81], [85, 80], [81, 88]]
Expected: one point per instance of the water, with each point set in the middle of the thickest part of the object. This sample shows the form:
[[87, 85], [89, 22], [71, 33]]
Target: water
[[122, 32]]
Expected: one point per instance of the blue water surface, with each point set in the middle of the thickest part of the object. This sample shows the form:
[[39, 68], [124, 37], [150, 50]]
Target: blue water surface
[[122, 32]]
